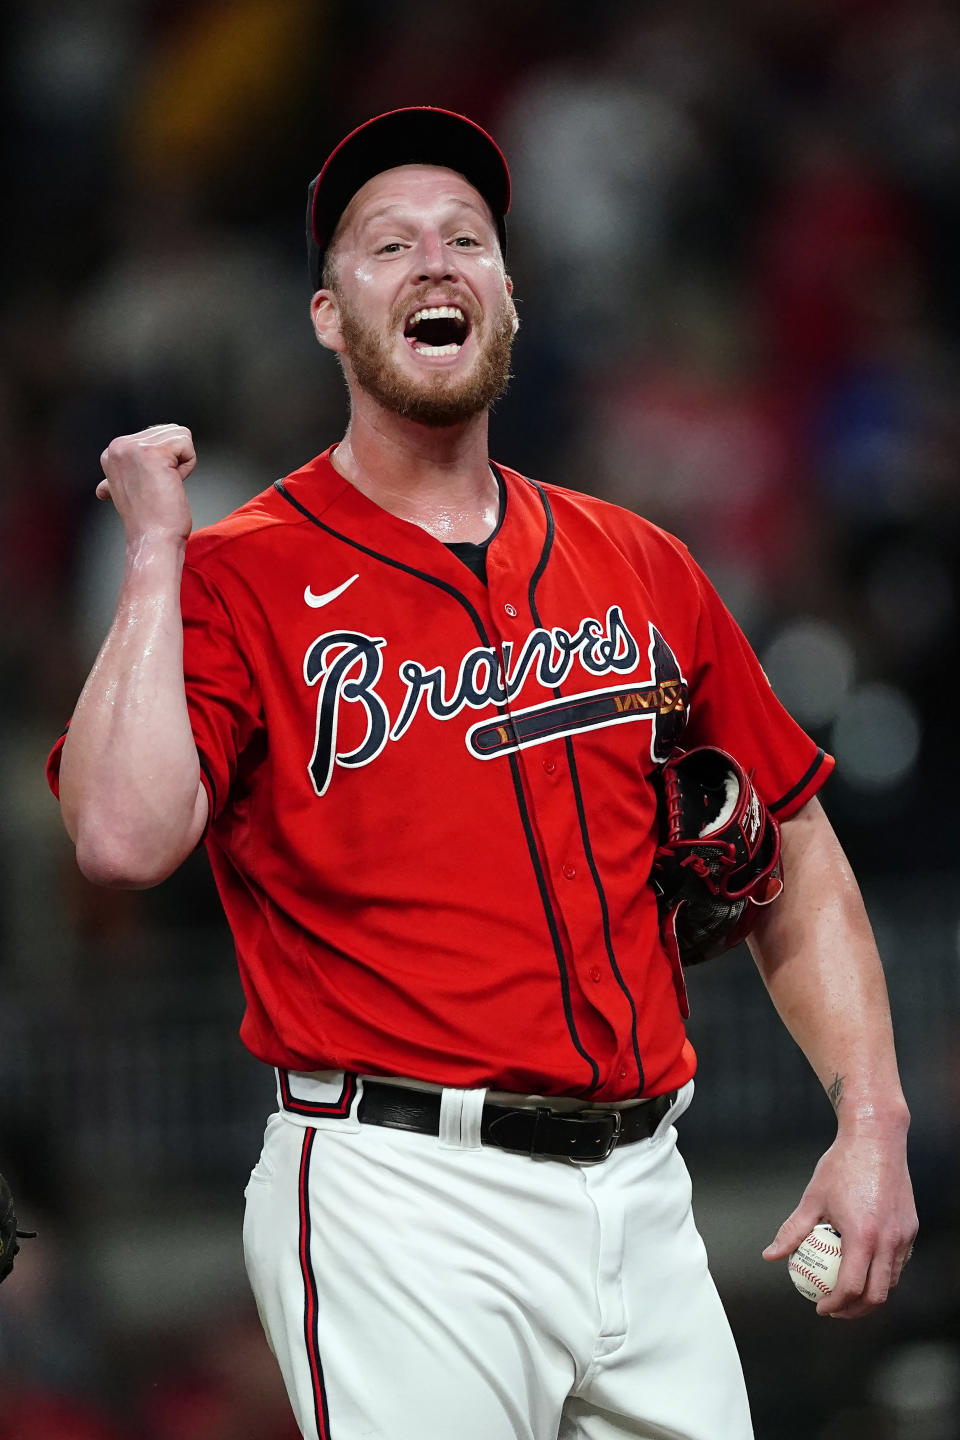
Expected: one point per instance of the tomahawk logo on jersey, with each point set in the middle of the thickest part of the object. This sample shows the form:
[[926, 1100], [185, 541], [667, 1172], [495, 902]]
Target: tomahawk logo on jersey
[[346, 666]]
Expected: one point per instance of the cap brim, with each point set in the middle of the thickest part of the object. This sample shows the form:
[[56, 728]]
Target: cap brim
[[420, 135]]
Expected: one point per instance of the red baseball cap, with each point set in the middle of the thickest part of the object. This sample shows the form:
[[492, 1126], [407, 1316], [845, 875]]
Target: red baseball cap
[[417, 135]]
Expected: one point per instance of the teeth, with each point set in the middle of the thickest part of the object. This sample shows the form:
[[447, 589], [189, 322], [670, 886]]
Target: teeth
[[438, 312], [422, 349]]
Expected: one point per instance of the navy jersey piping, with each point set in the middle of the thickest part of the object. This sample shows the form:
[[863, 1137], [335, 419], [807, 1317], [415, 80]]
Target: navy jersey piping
[[801, 784], [549, 916], [578, 797]]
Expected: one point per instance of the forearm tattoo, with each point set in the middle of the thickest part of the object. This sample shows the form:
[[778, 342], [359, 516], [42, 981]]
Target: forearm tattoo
[[835, 1091]]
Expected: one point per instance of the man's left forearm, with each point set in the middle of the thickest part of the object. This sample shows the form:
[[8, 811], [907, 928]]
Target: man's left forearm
[[816, 953]]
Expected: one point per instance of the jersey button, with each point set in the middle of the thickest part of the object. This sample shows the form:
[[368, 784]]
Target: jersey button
[[549, 766], [510, 609], [595, 974], [570, 871], [623, 1072]]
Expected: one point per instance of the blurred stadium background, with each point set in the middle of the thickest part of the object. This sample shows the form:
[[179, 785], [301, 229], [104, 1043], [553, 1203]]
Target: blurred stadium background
[[735, 245]]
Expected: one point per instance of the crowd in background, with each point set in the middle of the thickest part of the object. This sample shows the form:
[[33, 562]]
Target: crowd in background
[[734, 245]]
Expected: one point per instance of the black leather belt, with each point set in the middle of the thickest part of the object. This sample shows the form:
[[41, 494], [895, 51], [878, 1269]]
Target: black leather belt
[[583, 1135]]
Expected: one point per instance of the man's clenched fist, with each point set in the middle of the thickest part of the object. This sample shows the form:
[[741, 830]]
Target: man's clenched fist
[[144, 479]]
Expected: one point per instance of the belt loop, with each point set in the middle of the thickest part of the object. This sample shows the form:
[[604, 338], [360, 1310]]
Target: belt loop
[[683, 1099], [541, 1112], [460, 1115]]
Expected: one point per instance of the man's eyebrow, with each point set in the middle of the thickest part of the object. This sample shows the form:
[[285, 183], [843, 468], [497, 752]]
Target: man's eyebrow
[[455, 201]]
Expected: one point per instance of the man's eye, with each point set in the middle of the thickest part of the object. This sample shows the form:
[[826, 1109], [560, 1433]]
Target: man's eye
[[466, 240], [391, 247]]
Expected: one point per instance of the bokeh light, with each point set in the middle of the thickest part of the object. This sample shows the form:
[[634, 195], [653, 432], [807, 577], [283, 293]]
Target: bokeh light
[[811, 666], [876, 736]]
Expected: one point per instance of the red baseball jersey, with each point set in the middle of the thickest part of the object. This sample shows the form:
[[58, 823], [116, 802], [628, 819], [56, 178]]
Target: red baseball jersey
[[432, 818]]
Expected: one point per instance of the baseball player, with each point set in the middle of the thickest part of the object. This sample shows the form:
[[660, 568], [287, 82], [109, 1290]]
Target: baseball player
[[415, 705]]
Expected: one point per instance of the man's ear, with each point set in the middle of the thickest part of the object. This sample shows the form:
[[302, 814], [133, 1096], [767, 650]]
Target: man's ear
[[325, 314], [513, 308]]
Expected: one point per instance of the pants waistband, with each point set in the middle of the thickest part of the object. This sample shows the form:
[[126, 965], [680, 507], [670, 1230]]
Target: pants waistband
[[562, 1128], [583, 1135]]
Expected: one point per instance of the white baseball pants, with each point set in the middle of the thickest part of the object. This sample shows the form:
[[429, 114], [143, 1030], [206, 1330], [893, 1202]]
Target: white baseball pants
[[418, 1287]]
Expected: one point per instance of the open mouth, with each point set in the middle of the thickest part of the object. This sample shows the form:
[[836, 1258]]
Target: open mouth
[[437, 330]]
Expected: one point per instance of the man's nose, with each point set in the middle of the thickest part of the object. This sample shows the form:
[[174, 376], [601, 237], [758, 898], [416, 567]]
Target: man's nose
[[436, 260]]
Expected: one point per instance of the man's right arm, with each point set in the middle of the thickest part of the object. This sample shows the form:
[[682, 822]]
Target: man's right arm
[[130, 789]]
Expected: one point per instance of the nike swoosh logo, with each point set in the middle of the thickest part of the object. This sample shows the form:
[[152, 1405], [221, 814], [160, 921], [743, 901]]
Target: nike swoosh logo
[[316, 601]]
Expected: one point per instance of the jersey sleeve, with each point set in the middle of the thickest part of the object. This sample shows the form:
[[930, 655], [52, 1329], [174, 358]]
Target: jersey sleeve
[[222, 696], [53, 762], [733, 706]]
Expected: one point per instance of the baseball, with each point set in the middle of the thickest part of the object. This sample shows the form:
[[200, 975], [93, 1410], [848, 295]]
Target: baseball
[[815, 1264]]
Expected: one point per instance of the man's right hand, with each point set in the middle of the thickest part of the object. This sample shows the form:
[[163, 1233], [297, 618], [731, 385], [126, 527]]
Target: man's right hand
[[131, 791], [144, 479]]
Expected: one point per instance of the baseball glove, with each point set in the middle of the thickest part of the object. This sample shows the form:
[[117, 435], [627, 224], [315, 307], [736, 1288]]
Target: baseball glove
[[718, 860], [10, 1236]]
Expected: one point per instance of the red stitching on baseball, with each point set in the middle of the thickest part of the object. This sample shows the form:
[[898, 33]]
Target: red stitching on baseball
[[814, 1279], [827, 1246]]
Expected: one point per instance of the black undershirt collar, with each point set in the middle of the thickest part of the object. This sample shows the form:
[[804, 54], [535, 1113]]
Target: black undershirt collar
[[474, 553]]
